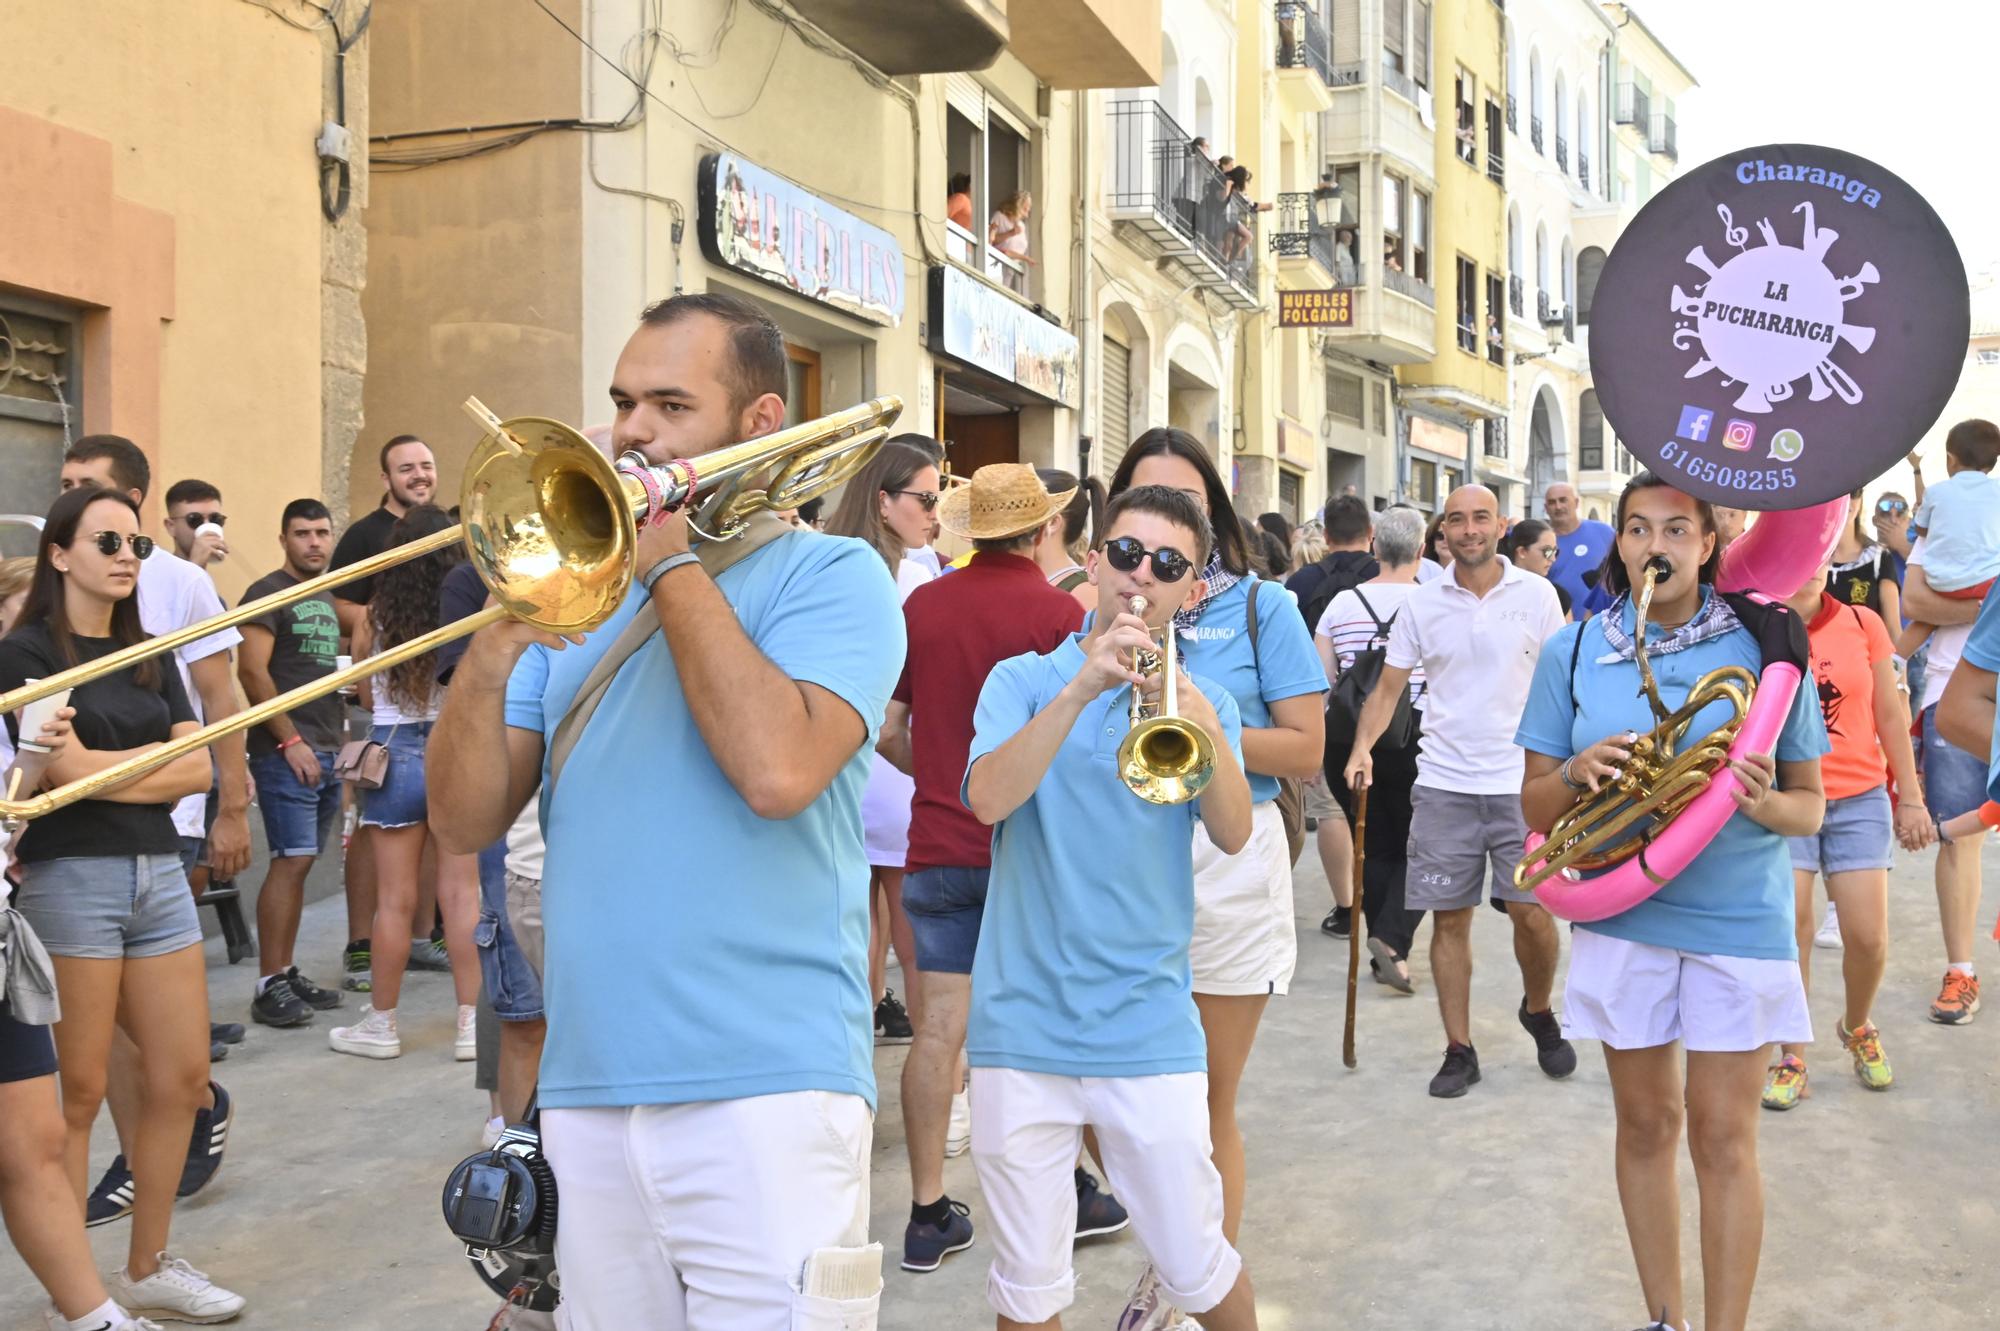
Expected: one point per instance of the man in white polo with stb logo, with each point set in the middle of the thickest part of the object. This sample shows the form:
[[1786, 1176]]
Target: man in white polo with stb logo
[[1476, 633]]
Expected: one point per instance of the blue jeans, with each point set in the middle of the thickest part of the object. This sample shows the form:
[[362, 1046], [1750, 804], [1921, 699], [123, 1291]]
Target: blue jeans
[[297, 817], [400, 802], [945, 907], [511, 983]]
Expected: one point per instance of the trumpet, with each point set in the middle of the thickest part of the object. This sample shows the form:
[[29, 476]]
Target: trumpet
[[1623, 817], [550, 524], [1166, 758]]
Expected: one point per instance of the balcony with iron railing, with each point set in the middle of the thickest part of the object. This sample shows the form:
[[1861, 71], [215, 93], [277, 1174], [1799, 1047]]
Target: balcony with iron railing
[[1544, 307], [1303, 58], [1496, 168], [1176, 197], [1562, 153], [1495, 443], [1633, 106], [1513, 115], [1303, 239], [1582, 168], [1535, 131], [1517, 296], [1661, 139], [1415, 288]]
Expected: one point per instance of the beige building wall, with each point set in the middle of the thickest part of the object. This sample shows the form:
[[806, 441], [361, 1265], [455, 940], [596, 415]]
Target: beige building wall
[[160, 166]]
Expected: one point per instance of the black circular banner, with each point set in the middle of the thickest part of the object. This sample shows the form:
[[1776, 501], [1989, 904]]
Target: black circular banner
[[1778, 326]]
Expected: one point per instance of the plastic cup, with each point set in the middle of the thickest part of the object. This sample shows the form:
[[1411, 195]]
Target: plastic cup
[[39, 713]]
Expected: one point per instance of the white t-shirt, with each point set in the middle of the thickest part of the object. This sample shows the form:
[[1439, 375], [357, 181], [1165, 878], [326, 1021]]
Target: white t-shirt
[[1428, 569], [172, 595], [1346, 624], [919, 566], [1013, 235], [1946, 644], [525, 846], [1478, 655]]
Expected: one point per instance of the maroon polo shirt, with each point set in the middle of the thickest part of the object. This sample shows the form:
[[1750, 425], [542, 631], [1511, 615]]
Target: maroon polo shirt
[[960, 626]]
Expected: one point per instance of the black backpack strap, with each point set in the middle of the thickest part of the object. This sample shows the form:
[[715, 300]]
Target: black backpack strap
[[1576, 652], [1256, 638], [1382, 626]]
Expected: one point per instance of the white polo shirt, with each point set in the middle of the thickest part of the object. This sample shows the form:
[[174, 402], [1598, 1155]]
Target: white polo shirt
[[173, 594], [1478, 656]]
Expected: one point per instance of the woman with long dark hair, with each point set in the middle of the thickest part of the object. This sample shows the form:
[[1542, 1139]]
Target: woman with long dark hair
[[1864, 573], [1709, 963], [405, 700], [101, 884], [1071, 533], [1244, 949], [891, 503]]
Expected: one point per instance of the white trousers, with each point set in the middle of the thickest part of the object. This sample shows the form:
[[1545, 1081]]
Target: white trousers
[[1027, 1128], [702, 1217]]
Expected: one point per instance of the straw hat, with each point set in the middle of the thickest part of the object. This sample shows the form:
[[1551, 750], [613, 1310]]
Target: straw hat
[[1003, 499]]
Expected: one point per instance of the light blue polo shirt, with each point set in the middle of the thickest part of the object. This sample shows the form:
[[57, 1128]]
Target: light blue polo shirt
[[1219, 648], [1735, 899], [1982, 649], [696, 951], [1082, 968]]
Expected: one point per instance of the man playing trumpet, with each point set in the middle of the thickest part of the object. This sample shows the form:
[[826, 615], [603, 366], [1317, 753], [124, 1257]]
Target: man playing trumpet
[[1082, 1006]]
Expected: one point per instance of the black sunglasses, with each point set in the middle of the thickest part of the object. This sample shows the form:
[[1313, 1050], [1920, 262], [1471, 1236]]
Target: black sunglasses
[[196, 519], [1126, 554], [928, 498], [110, 543]]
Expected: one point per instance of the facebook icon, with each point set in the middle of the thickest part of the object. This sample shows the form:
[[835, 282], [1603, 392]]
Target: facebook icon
[[1694, 424]]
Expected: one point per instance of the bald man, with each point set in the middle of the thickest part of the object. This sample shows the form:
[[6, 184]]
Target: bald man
[[1476, 633], [1580, 546]]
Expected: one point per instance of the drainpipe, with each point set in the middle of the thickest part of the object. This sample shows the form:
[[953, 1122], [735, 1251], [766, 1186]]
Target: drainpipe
[[1090, 414]]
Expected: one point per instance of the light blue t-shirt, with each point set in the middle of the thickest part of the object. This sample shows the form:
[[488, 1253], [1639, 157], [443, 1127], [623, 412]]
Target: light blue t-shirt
[[696, 951], [1581, 552], [1219, 649], [1960, 516], [1982, 649], [1736, 898], [1082, 968]]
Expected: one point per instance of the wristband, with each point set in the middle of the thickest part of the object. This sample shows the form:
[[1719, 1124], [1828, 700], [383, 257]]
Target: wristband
[[1563, 772], [284, 744], [666, 566]]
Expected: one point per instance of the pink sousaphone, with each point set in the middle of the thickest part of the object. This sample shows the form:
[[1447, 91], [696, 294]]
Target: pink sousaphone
[[1771, 561]]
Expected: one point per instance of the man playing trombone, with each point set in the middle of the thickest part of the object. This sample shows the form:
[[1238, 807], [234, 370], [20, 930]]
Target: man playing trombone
[[707, 1091]]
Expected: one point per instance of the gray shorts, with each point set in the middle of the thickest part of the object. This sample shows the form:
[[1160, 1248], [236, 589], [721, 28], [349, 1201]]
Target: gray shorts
[[1453, 839], [107, 907], [1857, 833]]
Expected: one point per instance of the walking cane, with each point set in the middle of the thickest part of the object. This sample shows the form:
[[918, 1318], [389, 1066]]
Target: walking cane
[[1356, 921]]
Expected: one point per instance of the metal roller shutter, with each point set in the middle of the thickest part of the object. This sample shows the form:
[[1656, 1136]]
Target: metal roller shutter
[[1114, 415]]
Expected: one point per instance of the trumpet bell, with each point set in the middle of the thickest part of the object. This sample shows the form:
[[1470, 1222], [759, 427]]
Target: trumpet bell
[[1166, 760]]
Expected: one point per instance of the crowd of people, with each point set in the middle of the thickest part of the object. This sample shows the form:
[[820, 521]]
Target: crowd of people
[[1084, 972]]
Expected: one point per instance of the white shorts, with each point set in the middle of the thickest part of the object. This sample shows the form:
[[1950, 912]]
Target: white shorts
[[885, 815], [701, 1217], [1244, 938], [1027, 1128], [1637, 996]]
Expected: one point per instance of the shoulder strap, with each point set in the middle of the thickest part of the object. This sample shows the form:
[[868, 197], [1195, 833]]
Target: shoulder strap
[[1382, 626], [716, 557], [1256, 659], [1575, 652]]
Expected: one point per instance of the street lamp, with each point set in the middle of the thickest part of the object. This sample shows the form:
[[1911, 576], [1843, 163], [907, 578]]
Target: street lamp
[[1326, 202]]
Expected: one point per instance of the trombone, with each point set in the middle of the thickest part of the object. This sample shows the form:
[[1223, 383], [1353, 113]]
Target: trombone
[[1166, 758], [550, 523]]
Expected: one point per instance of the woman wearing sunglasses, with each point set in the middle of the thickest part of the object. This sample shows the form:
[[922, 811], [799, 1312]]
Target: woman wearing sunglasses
[[1244, 947], [102, 884]]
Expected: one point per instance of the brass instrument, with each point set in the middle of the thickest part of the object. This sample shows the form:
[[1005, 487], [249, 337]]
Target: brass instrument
[[551, 525], [1657, 782], [1166, 758]]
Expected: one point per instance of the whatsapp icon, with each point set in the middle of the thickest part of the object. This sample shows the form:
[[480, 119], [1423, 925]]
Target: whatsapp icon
[[1786, 445]]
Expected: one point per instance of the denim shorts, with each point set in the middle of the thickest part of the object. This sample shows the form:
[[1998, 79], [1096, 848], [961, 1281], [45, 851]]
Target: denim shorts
[[1857, 833], [511, 983], [945, 907], [1954, 780], [297, 818], [107, 907], [400, 801]]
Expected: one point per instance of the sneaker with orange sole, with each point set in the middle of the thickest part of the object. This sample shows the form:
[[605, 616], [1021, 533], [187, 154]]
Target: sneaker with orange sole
[[1958, 1001]]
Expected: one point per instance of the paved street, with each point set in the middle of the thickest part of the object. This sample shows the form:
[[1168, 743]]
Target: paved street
[[1371, 1205]]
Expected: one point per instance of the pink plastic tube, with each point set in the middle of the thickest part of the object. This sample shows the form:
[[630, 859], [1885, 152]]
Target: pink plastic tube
[[1773, 558]]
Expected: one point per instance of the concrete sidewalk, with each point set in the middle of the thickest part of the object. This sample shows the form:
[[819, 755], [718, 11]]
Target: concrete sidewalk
[[1371, 1205]]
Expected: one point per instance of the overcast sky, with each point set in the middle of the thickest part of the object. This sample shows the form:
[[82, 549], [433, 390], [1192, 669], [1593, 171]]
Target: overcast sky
[[1909, 84]]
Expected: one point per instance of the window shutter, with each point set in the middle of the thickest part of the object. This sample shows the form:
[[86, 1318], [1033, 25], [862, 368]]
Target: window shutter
[[1420, 38], [1392, 26], [1346, 32], [1114, 425]]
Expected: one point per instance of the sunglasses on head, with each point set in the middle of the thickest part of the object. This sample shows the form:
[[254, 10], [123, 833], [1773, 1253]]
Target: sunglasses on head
[[927, 498], [1126, 554], [195, 520], [109, 543]]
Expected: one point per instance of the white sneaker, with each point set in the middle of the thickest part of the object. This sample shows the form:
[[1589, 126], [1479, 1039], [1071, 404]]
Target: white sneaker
[[489, 1136], [958, 1137], [57, 1322], [1148, 1308], [467, 1046], [176, 1291], [1829, 930], [374, 1036]]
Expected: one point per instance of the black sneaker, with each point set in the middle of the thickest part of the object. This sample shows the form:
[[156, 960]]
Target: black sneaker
[[225, 1032], [892, 1022], [111, 1199], [277, 1005], [1097, 1211], [1556, 1055], [356, 961], [1460, 1070], [217, 1051], [1339, 922], [314, 997], [925, 1246], [206, 1144]]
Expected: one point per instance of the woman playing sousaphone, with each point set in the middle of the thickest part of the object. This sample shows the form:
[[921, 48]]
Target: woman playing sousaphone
[[1709, 961]]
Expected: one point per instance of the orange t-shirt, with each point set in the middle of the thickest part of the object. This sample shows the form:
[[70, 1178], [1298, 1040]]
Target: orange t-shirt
[[1847, 642]]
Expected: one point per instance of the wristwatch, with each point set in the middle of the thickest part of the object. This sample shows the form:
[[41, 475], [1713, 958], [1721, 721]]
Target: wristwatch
[[666, 566]]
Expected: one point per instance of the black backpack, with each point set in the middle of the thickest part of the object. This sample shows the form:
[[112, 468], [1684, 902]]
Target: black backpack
[[1338, 572], [1350, 693]]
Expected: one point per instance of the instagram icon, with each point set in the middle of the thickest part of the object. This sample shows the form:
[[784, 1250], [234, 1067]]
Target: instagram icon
[[1740, 435]]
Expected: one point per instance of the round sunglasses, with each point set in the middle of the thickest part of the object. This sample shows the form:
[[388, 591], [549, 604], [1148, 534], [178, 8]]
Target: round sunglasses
[[1125, 554], [110, 543]]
